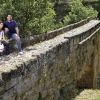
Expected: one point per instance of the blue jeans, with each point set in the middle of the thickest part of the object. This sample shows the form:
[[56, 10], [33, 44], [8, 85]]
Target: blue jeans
[[17, 40]]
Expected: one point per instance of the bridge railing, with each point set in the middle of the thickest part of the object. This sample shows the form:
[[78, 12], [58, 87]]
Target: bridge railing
[[46, 36]]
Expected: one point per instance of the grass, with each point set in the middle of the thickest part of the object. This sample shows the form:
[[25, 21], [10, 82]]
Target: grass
[[88, 94]]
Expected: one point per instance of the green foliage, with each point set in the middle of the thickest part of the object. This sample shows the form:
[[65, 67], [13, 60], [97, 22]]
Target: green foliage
[[58, 25], [78, 12], [98, 8], [43, 19], [36, 16]]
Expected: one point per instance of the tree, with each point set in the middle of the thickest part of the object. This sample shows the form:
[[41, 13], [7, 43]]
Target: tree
[[99, 8], [78, 12], [36, 16], [43, 17]]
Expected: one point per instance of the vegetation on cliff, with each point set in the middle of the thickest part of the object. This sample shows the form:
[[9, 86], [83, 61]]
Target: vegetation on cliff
[[39, 16], [78, 12]]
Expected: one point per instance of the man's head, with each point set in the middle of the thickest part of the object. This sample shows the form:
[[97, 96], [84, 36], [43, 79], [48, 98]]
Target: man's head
[[9, 17]]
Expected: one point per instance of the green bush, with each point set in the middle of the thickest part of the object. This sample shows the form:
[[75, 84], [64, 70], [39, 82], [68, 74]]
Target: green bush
[[43, 19], [78, 12], [36, 16]]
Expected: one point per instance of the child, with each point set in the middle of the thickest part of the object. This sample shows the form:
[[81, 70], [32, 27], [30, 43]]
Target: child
[[4, 46]]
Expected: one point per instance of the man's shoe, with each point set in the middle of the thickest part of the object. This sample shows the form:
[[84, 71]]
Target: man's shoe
[[21, 52]]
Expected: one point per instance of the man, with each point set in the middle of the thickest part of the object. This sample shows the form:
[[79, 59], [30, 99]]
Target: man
[[12, 31]]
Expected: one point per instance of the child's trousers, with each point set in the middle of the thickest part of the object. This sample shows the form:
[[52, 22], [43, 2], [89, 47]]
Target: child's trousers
[[6, 47]]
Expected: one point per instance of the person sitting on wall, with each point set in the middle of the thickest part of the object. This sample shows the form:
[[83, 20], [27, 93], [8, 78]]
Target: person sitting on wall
[[12, 32], [4, 46]]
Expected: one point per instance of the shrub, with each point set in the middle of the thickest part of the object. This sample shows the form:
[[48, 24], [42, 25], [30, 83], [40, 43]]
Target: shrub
[[78, 12]]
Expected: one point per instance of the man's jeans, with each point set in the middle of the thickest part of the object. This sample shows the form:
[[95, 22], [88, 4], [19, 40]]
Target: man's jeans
[[17, 40]]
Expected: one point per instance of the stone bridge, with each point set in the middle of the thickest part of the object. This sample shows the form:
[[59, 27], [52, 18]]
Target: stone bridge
[[66, 59]]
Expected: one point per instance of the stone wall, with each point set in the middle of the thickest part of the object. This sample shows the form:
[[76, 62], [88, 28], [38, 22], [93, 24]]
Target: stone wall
[[52, 69], [46, 36], [88, 57]]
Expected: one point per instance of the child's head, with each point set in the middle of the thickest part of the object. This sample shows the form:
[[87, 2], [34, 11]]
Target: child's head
[[1, 25]]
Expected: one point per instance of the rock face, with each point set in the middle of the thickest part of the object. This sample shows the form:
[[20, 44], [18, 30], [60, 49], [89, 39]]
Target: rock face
[[51, 70]]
